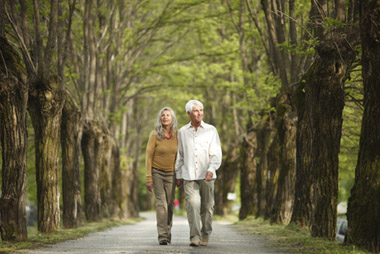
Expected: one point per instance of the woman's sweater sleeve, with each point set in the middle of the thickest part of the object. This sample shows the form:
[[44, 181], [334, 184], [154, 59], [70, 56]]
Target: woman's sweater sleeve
[[150, 147]]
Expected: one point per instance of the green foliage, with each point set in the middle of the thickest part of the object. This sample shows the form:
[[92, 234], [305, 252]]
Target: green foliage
[[352, 115], [299, 49], [331, 23]]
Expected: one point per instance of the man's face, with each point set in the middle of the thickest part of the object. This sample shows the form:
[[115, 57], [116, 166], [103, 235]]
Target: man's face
[[196, 115]]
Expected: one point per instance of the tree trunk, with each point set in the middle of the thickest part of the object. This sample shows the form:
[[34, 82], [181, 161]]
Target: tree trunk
[[13, 134], [91, 148], [133, 205], [272, 174], [281, 164], [105, 174], [130, 189], [364, 203], [133, 166], [71, 181], [324, 94], [117, 198], [282, 207], [264, 133], [226, 182], [249, 199], [45, 107], [302, 198], [324, 101]]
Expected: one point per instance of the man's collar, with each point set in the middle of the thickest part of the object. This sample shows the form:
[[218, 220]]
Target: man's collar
[[189, 125]]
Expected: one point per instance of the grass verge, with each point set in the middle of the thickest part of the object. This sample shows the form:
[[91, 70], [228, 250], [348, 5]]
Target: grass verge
[[295, 239], [37, 239]]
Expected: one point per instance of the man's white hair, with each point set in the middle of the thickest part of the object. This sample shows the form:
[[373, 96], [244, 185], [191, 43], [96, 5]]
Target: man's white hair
[[190, 104]]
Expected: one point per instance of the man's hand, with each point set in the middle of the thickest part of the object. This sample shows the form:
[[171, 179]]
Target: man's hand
[[149, 186], [179, 182], [209, 175]]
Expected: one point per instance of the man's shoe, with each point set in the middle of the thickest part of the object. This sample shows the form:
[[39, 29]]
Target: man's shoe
[[204, 241], [163, 242], [194, 243]]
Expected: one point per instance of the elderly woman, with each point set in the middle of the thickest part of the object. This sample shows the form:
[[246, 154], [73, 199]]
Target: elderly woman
[[161, 152]]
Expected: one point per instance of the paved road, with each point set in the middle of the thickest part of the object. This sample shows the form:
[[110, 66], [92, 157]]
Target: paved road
[[142, 238]]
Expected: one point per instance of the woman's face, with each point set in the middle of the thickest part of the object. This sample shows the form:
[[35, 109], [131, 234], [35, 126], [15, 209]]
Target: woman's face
[[166, 118]]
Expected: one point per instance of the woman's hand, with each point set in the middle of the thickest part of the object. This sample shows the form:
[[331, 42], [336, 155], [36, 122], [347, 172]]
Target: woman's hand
[[149, 186], [179, 182]]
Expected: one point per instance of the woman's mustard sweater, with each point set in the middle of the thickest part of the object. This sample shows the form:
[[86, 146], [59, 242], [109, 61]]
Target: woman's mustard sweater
[[160, 154]]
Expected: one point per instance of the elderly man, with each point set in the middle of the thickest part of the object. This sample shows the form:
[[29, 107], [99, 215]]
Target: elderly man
[[199, 156]]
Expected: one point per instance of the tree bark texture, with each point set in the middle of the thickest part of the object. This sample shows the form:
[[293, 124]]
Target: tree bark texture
[[226, 182], [91, 150], [364, 203], [117, 195], [272, 174], [303, 191], [281, 164], [46, 101], [324, 102], [71, 181], [13, 134], [282, 204], [265, 131], [105, 174], [130, 189], [248, 196]]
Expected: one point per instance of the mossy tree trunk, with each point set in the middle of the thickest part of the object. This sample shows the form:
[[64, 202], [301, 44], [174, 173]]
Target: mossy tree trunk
[[71, 181], [324, 102], [13, 134], [116, 192], [283, 199], [273, 173], [46, 101], [281, 164], [302, 198], [91, 149], [364, 203], [248, 174], [324, 94], [265, 131], [105, 175], [227, 175], [320, 102]]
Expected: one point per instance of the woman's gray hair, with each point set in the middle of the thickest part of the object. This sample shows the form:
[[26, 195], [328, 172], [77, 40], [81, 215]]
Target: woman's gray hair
[[190, 104], [160, 129]]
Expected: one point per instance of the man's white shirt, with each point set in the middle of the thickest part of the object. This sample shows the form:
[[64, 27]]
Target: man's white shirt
[[199, 151]]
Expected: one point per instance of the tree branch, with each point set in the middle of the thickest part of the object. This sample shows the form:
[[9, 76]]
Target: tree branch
[[52, 38], [28, 60], [38, 46]]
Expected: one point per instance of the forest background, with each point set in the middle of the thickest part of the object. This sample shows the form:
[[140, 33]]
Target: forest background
[[281, 80]]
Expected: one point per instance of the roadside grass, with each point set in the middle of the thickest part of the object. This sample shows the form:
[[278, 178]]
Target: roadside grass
[[38, 240], [295, 239]]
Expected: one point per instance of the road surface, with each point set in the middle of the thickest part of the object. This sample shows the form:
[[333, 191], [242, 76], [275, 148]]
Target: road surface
[[142, 238]]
